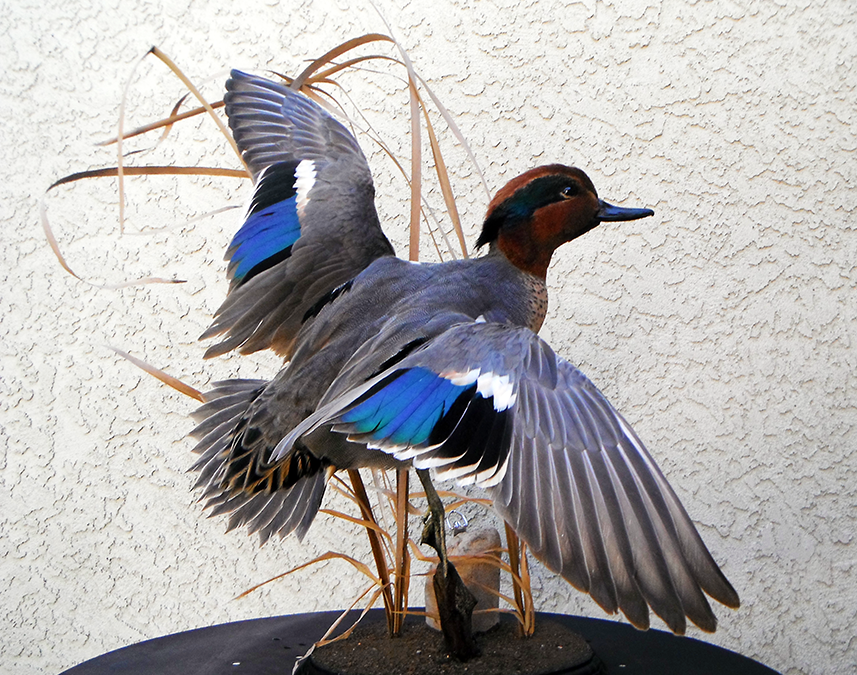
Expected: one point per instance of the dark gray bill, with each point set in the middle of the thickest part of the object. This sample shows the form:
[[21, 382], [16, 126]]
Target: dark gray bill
[[610, 212]]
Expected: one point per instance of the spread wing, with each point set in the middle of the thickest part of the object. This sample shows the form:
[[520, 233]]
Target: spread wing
[[311, 225], [493, 405]]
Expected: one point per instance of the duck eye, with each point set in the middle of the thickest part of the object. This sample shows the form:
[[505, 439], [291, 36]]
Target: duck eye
[[569, 191]]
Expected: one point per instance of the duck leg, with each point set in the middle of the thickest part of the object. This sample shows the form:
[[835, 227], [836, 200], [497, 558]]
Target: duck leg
[[455, 602]]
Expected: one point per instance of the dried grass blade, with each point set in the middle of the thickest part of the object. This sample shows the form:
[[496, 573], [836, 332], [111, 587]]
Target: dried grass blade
[[368, 524], [119, 159], [505, 598], [416, 143], [527, 590], [387, 493], [458, 495], [159, 374], [324, 641], [413, 79], [350, 63], [515, 578], [52, 241], [205, 104], [416, 174], [128, 171], [468, 500], [445, 186], [402, 559], [375, 542], [173, 113], [419, 555], [513, 544], [195, 219], [143, 281], [167, 122], [330, 555], [489, 557], [459, 498], [326, 58], [153, 170], [453, 127], [341, 487], [503, 565]]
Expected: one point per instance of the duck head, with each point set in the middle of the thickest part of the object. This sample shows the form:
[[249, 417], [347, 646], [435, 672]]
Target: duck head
[[537, 212]]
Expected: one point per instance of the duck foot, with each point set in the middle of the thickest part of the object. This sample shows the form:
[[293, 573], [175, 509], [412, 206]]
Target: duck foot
[[455, 602]]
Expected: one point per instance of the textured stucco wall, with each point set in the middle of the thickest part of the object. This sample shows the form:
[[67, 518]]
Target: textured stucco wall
[[725, 329]]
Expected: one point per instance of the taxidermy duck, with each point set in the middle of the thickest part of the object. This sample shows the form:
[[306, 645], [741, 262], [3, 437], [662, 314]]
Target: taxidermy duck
[[438, 366]]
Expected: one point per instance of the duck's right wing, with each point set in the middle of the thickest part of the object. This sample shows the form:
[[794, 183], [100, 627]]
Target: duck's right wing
[[311, 225], [493, 405]]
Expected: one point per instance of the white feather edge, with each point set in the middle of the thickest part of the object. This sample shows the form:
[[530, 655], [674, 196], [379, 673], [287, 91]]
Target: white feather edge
[[304, 181]]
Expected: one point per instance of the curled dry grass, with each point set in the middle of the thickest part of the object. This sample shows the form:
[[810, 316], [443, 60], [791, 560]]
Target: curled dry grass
[[391, 552]]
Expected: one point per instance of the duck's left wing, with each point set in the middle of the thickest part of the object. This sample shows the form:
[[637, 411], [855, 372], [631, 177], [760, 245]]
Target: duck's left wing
[[493, 405], [311, 225]]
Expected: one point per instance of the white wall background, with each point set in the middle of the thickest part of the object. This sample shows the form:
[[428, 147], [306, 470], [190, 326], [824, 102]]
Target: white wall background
[[725, 328]]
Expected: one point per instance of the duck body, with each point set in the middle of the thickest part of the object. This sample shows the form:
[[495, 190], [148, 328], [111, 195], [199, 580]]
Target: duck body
[[390, 305], [392, 363]]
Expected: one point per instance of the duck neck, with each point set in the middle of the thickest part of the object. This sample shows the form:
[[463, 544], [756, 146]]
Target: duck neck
[[524, 252], [533, 285]]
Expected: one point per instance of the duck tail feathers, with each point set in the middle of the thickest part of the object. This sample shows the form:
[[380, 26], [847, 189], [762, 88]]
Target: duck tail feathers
[[234, 477]]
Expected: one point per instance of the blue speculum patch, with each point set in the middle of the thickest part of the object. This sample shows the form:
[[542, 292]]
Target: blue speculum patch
[[404, 407], [265, 238]]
